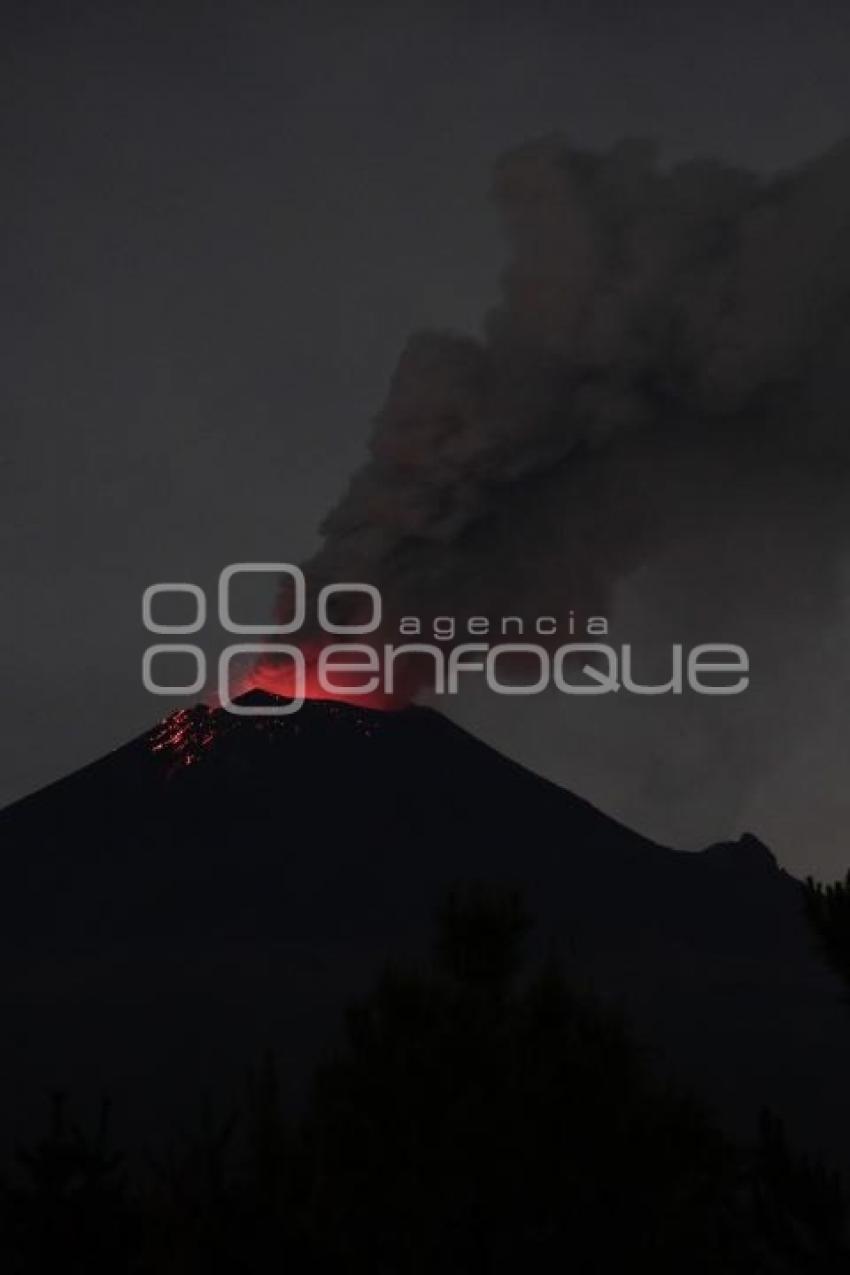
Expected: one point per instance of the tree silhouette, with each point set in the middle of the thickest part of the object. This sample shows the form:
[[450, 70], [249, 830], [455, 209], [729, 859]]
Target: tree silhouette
[[478, 1118], [828, 910], [68, 1209], [479, 1121]]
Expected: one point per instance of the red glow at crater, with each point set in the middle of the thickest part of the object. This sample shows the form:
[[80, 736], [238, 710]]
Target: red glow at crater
[[185, 736], [277, 677]]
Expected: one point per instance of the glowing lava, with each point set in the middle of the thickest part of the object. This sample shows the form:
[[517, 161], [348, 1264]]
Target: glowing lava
[[185, 735], [277, 677]]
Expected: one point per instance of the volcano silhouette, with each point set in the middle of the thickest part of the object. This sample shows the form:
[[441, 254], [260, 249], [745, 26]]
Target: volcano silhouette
[[162, 923]]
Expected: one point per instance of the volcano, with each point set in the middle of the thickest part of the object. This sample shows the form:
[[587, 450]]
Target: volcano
[[227, 884]]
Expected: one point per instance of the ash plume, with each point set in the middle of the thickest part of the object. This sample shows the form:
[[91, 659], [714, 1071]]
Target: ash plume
[[655, 424], [654, 323]]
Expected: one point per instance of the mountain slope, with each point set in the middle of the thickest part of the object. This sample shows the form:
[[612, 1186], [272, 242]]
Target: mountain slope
[[162, 922]]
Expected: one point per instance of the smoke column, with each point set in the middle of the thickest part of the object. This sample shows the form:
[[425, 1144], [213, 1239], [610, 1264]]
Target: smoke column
[[661, 396], [650, 320]]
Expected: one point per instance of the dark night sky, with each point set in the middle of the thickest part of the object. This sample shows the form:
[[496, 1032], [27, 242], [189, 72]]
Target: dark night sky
[[220, 224]]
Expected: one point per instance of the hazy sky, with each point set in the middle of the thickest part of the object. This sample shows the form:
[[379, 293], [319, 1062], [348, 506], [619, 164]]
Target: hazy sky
[[221, 221]]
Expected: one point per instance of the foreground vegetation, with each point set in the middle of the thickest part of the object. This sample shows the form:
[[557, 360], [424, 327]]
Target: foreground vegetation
[[478, 1118]]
